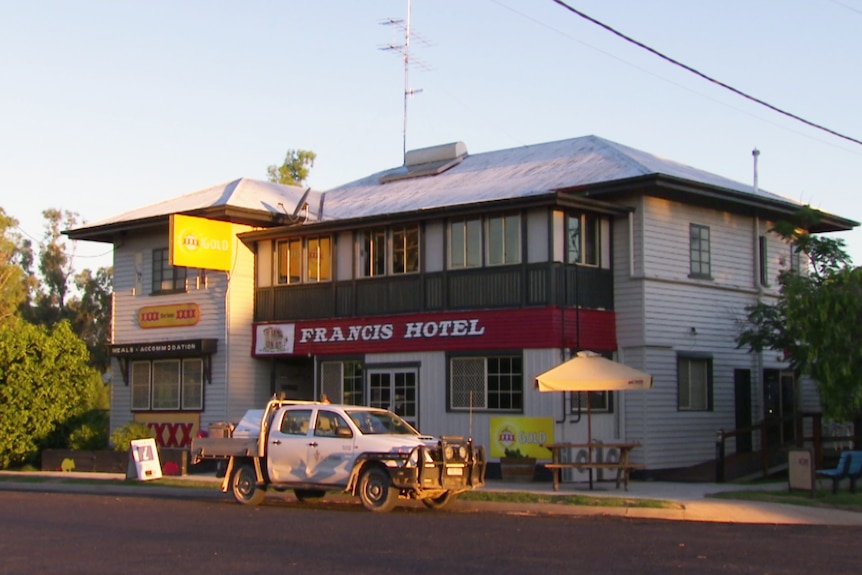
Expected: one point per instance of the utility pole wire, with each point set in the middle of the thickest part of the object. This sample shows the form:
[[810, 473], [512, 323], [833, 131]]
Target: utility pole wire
[[704, 76]]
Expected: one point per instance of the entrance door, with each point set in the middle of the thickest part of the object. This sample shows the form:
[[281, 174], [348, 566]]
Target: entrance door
[[779, 404], [395, 389], [742, 399]]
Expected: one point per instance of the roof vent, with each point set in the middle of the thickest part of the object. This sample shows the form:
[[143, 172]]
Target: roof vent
[[428, 162]]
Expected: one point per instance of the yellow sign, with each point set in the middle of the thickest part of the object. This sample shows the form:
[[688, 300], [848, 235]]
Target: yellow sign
[[176, 315], [526, 434], [201, 243]]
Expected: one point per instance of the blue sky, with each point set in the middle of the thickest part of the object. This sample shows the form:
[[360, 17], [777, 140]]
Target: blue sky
[[109, 105]]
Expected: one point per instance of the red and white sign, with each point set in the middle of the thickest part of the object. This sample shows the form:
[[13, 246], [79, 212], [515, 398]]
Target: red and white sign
[[479, 330]]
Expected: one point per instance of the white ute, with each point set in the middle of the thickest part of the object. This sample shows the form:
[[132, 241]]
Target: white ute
[[314, 447]]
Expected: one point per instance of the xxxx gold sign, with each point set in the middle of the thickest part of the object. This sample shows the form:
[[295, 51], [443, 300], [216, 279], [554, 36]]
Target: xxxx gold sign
[[201, 243], [176, 315]]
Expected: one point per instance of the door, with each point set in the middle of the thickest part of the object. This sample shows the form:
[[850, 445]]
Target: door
[[779, 404], [395, 389], [742, 401], [331, 450], [287, 446]]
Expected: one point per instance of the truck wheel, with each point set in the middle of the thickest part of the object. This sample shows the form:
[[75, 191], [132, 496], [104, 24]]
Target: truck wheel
[[308, 494], [440, 501], [376, 491], [244, 486]]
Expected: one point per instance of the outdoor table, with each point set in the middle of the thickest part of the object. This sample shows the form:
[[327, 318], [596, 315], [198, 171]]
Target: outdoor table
[[622, 466]]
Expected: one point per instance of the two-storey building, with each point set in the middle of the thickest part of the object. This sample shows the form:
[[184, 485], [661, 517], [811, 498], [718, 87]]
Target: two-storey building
[[442, 287]]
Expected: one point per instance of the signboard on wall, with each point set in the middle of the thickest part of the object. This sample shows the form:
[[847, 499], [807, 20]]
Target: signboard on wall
[[201, 243], [445, 331], [526, 434], [174, 315]]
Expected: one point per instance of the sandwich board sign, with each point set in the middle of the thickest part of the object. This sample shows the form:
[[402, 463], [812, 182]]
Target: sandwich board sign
[[800, 470], [144, 460]]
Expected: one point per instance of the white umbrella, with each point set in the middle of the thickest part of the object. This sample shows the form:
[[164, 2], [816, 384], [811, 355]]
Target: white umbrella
[[589, 371]]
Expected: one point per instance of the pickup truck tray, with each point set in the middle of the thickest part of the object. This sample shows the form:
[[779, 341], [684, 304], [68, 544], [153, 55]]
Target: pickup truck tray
[[223, 447]]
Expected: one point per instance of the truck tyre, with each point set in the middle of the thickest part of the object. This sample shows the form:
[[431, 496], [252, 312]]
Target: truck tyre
[[308, 494], [376, 491], [440, 501], [244, 486]]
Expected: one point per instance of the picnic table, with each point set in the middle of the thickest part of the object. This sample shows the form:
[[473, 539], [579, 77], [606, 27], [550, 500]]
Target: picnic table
[[622, 466]]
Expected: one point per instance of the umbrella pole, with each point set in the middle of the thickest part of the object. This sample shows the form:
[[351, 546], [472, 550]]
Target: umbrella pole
[[589, 437]]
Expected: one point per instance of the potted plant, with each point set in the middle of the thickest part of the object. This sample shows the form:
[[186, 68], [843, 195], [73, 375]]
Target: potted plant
[[515, 466]]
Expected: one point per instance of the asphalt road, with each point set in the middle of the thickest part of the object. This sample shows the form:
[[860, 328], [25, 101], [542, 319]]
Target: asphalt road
[[72, 533]]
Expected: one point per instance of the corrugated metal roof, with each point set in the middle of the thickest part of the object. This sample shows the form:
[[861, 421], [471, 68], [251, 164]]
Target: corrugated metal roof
[[512, 173], [243, 193]]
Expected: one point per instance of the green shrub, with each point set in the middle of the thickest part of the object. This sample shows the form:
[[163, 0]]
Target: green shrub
[[90, 431], [122, 437]]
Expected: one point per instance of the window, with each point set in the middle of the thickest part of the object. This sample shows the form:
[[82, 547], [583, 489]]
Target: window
[[795, 259], [318, 268], [167, 278], [405, 250], [600, 401], [304, 260], [583, 245], [763, 261], [342, 381], [504, 240], [694, 383], [372, 253], [699, 247], [167, 384], [465, 243], [486, 383]]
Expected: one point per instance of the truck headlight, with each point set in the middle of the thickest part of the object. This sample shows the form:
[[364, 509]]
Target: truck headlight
[[448, 453]]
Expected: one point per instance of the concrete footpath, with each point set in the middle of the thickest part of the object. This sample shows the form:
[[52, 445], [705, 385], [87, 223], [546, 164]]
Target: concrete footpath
[[692, 500]]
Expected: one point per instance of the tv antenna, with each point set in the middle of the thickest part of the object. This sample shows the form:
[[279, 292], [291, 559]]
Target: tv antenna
[[404, 50]]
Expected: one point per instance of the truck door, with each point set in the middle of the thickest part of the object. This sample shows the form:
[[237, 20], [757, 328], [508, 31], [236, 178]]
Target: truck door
[[288, 447], [331, 451]]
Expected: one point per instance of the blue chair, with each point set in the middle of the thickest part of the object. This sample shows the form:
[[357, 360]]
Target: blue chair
[[849, 466]]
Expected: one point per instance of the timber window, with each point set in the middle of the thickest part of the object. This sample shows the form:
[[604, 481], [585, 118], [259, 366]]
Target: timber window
[[167, 385], [465, 243], [694, 383], [385, 251], [504, 240], [167, 278], [492, 383], [304, 260], [700, 265], [583, 234]]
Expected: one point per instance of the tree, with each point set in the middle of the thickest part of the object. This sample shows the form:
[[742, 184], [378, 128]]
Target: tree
[[13, 279], [90, 313], [816, 320], [294, 171], [44, 382]]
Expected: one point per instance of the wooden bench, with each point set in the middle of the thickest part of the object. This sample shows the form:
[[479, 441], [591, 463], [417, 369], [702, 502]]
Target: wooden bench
[[623, 469], [849, 467]]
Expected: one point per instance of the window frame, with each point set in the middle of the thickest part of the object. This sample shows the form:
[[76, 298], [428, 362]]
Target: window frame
[[699, 251], [184, 394], [583, 245], [406, 252], [162, 268], [684, 380], [465, 240], [492, 384], [295, 260], [505, 249]]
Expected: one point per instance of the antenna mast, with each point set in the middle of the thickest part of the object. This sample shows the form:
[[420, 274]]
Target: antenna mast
[[404, 50]]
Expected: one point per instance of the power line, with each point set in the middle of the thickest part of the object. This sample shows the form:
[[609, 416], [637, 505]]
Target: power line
[[704, 76]]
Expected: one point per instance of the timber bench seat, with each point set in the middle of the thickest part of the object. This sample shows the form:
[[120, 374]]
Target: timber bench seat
[[622, 465], [849, 467], [624, 469]]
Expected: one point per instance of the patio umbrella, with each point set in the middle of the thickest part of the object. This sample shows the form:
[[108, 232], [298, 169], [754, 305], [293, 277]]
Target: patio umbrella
[[589, 371]]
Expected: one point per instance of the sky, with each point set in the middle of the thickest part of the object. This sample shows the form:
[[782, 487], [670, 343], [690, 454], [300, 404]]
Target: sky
[[110, 105]]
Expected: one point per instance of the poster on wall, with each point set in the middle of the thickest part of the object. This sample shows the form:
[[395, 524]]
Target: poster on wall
[[526, 434], [201, 243]]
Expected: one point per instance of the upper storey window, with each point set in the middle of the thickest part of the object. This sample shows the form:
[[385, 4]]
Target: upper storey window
[[384, 251], [583, 239], [304, 260], [167, 278], [500, 243], [699, 249]]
